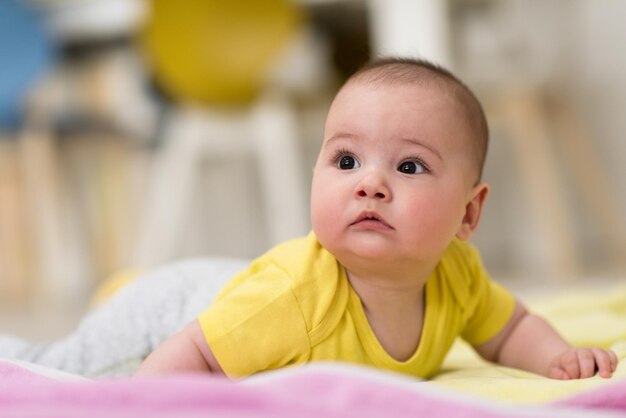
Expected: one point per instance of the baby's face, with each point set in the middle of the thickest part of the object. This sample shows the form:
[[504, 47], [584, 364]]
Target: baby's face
[[394, 174]]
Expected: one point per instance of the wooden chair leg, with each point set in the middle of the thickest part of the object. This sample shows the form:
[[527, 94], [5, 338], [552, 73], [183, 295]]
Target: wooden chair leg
[[590, 177], [528, 125]]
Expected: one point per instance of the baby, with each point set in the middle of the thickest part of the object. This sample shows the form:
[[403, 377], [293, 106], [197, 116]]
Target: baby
[[386, 278]]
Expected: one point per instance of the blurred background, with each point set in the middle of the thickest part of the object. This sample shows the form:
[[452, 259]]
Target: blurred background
[[137, 132]]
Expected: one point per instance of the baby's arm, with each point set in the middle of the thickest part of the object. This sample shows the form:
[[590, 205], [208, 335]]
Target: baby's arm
[[186, 351], [528, 342]]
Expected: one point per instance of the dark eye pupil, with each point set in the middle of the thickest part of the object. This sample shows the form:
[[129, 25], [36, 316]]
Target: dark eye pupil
[[346, 162], [408, 167]]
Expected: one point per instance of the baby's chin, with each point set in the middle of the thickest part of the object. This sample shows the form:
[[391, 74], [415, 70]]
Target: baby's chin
[[374, 255], [365, 254]]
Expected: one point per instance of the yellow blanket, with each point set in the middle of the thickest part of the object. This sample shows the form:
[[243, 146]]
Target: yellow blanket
[[583, 317]]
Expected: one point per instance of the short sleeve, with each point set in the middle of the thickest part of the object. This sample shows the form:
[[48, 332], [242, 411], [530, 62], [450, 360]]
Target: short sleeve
[[490, 307], [256, 325]]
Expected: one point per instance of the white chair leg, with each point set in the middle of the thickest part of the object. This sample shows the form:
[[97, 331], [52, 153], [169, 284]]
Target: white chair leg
[[170, 194], [281, 168], [61, 270]]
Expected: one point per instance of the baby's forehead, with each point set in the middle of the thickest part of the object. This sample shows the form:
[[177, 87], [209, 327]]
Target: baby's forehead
[[354, 90], [410, 100], [390, 111]]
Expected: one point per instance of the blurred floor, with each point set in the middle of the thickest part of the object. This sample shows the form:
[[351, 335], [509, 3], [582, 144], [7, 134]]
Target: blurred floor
[[38, 324]]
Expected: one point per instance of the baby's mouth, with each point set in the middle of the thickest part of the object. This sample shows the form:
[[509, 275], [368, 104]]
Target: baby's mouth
[[370, 220]]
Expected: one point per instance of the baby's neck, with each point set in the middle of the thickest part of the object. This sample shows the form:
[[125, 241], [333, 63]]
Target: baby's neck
[[399, 275], [388, 287], [395, 312], [377, 292]]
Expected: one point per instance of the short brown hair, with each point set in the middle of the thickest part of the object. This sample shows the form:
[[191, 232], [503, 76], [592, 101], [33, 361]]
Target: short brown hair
[[419, 71]]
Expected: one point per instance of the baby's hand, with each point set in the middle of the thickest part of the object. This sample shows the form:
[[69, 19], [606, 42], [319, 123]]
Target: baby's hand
[[579, 363]]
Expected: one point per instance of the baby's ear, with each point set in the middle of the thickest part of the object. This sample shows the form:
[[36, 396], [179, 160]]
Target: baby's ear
[[473, 210]]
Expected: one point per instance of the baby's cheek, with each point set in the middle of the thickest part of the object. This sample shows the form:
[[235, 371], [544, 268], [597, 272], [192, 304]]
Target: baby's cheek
[[324, 204], [433, 230], [321, 217]]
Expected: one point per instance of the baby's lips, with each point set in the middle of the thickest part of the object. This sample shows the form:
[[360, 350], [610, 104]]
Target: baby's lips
[[371, 216]]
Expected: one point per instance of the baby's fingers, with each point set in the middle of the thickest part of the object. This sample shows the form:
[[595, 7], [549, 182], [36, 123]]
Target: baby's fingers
[[586, 363], [614, 360], [570, 363], [557, 372], [606, 361]]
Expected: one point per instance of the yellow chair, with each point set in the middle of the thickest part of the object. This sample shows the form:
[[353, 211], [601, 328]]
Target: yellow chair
[[213, 51]]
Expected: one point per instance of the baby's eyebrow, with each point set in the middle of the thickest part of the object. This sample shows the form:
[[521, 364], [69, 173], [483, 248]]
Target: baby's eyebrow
[[341, 135], [424, 145]]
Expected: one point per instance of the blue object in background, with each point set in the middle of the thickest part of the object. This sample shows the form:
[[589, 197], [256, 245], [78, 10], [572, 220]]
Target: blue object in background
[[25, 52]]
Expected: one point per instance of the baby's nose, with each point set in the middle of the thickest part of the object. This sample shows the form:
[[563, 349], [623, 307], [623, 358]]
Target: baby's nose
[[373, 186], [364, 193]]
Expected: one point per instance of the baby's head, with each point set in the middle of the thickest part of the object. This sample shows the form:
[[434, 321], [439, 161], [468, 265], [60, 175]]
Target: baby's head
[[399, 170]]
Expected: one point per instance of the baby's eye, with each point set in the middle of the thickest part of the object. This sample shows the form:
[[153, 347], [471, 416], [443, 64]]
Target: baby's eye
[[412, 167], [348, 162]]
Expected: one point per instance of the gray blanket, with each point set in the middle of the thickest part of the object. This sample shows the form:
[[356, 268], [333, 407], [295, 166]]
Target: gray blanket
[[113, 339]]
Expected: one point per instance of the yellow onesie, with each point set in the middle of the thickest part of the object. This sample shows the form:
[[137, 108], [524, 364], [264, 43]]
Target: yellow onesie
[[295, 305]]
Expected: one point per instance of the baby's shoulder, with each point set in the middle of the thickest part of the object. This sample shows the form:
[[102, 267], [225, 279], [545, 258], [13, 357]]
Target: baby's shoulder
[[461, 256], [460, 270], [313, 278], [462, 249], [301, 259]]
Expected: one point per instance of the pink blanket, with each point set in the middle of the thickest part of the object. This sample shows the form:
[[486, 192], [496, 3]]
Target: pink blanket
[[312, 391]]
